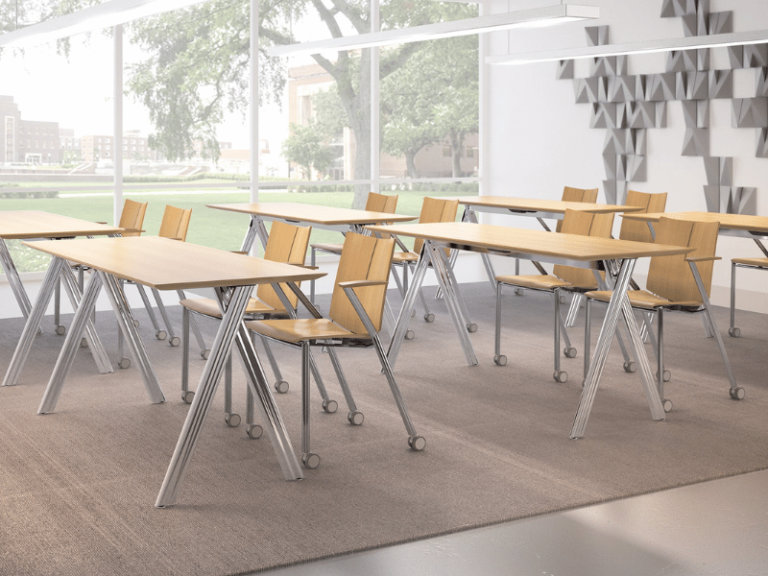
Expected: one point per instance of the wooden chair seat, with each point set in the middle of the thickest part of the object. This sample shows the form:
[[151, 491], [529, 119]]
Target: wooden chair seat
[[330, 248], [294, 331], [644, 299], [209, 307], [756, 262], [536, 282], [399, 258]]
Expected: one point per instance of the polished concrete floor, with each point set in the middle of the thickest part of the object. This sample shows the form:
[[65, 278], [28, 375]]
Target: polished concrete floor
[[713, 528]]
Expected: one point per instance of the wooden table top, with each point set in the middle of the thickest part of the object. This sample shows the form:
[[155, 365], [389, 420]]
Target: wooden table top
[[168, 264], [26, 224], [542, 205], [494, 238], [311, 214], [732, 221]]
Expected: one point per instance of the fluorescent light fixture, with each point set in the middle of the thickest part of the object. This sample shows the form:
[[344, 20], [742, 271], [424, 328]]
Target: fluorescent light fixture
[[104, 15], [546, 16], [643, 47]]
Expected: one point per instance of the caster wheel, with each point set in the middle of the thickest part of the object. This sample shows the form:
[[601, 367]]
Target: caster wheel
[[254, 431], [330, 406], [561, 376], [472, 328], [410, 334], [630, 367], [175, 341], [310, 460], [232, 420], [355, 418], [667, 404], [519, 292], [124, 363], [429, 317], [205, 353], [83, 343], [281, 387], [417, 443], [737, 393], [667, 376], [136, 323], [60, 330], [734, 333], [570, 352], [500, 360], [161, 335], [187, 396]]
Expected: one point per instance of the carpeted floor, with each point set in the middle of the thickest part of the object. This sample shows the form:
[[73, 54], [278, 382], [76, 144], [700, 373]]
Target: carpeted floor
[[77, 487]]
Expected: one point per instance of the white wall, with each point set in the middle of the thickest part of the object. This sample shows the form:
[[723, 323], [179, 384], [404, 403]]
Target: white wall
[[539, 138]]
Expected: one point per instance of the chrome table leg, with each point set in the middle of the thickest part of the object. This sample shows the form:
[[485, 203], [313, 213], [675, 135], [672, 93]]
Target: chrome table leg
[[401, 326]]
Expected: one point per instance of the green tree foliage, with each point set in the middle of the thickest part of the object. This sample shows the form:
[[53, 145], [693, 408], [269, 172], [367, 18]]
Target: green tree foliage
[[306, 147]]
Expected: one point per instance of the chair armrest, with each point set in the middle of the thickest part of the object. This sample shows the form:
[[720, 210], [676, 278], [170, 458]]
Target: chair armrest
[[241, 252], [361, 283], [306, 266], [703, 259]]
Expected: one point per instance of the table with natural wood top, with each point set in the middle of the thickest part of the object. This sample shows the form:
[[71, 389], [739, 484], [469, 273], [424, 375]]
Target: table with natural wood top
[[167, 264], [741, 225], [567, 249], [324, 217]]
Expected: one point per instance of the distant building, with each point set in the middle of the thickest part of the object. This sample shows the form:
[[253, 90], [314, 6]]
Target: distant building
[[27, 141], [102, 147]]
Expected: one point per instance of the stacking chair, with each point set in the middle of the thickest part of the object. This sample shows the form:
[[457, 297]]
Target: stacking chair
[[355, 316], [174, 225], [678, 283], [375, 203], [587, 196], [288, 244], [752, 263], [563, 278], [432, 210]]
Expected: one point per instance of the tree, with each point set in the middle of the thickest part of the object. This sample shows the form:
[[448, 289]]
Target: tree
[[432, 99], [306, 147]]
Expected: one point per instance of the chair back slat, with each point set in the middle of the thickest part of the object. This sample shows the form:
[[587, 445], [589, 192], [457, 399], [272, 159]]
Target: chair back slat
[[585, 224], [570, 194], [132, 217], [638, 231], [381, 203], [362, 258], [436, 210], [670, 276], [175, 223], [287, 244]]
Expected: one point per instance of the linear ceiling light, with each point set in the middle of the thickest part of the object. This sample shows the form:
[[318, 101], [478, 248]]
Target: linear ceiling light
[[643, 47], [546, 16], [104, 15]]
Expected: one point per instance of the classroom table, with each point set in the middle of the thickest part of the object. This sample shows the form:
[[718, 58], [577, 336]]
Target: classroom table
[[322, 217], [539, 208], [567, 249], [35, 224], [167, 264]]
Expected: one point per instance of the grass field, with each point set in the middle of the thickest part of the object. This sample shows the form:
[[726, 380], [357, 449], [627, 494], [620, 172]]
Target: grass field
[[208, 227]]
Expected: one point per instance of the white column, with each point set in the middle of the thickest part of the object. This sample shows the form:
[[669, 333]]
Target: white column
[[117, 145], [375, 140], [484, 103], [254, 101]]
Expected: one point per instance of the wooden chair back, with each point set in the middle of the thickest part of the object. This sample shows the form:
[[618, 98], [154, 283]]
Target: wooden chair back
[[132, 217], [436, 210], [670, 276], [585, 224], [381, 203], [175, 223], [288, 244], [638, 231], [362, 258], [588, 196]]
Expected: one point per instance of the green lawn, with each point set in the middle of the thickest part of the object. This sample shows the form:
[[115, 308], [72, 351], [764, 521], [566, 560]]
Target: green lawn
[[208, 227]]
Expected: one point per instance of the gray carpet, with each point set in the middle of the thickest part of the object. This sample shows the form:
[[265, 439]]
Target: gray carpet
[[77, 487]]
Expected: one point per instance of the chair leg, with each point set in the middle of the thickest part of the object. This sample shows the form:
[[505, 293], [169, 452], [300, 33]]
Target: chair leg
[[186, 394], [159, 334], [253, 430], [329, 405], [354, 415], [308, 458], [204, 351], [667, 404], [231, 418], [498, 358], [173, 340], [281, 386], [573, 310], [312, 260], [733, 332], [559, 375], [587, 336]]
